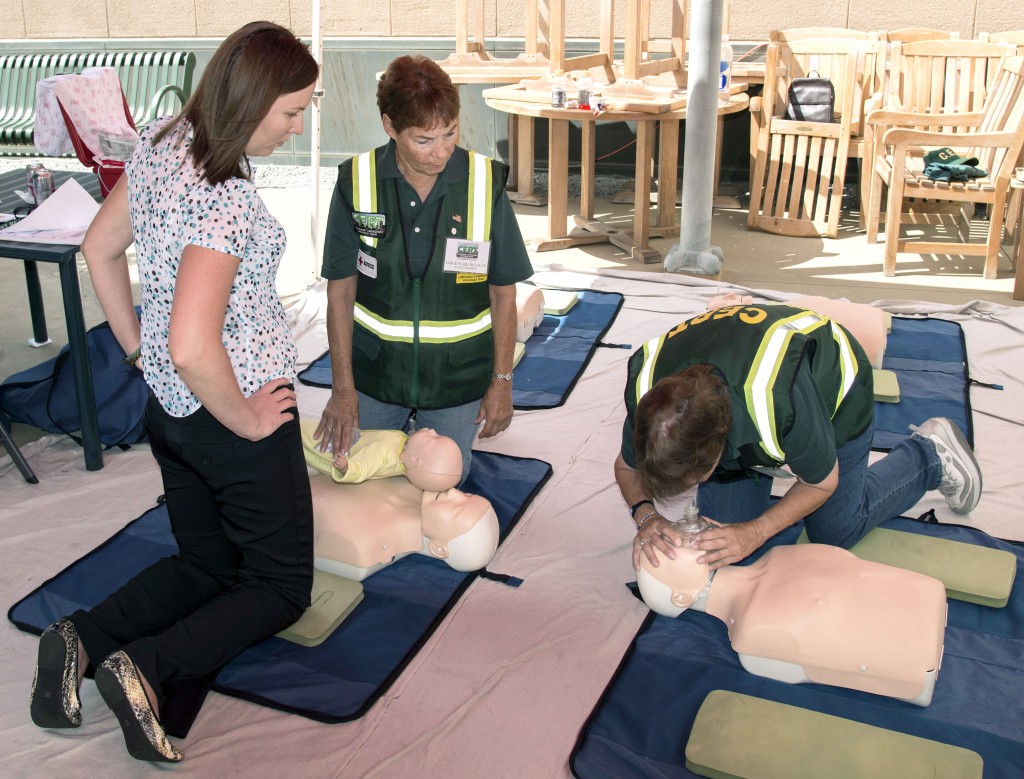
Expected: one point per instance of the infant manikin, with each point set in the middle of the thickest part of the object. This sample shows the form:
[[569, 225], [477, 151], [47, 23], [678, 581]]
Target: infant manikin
[[430, 461], [812, 613], [361, 528]]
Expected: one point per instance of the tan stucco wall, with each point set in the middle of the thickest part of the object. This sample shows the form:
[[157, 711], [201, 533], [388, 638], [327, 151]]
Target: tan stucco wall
[[43, 19]]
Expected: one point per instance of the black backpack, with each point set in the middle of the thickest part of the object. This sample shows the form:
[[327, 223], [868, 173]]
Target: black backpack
[[811, 99], [44, 396]]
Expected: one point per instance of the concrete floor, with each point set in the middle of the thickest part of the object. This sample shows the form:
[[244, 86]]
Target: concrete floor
[[845, 267]]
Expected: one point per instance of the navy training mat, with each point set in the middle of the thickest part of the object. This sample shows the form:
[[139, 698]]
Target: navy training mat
[[341, 678], [642, 722], [929, 357], [556, 353]]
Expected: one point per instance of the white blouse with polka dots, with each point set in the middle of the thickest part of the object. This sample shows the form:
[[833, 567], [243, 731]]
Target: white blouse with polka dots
[[171, 207]]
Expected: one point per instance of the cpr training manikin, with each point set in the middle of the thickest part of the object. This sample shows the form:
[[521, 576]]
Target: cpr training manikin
[[811, 613], [362, 527]]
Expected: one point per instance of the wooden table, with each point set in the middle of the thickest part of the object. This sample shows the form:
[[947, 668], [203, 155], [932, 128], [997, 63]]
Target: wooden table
[[592, 231]]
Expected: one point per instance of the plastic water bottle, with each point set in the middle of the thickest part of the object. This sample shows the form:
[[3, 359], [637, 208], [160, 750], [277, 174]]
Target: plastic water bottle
[[558, 87], [725, 70], [584, 89]]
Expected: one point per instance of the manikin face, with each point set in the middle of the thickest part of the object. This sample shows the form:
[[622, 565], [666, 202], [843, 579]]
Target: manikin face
[[422, 152], [283, 119], [459, 528], [432, 462]]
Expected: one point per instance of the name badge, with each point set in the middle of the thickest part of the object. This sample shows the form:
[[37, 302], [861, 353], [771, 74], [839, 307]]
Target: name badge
[[368, 224], [464, 256], [366, 265]]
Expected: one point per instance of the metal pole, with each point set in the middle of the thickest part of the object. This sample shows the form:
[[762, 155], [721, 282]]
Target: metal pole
[[694, 253], [317, 50]]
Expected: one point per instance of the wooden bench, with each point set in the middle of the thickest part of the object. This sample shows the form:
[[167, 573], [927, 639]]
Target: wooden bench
[[155, 83]]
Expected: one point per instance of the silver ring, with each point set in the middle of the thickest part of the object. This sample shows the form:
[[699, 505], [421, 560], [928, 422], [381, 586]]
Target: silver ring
[[642, 542]]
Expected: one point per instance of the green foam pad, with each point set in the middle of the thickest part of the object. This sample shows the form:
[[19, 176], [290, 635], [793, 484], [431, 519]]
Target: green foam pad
[[517, 353], [559, 301], [887, 386], [333, 598], [887, 315], [971, 573], [740, 737]]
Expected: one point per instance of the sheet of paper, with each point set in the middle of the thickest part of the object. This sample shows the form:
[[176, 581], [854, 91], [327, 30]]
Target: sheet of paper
[[62, 218]]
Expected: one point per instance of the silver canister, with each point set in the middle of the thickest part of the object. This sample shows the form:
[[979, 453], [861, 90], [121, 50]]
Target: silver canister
[[30, 172], [42, 185]]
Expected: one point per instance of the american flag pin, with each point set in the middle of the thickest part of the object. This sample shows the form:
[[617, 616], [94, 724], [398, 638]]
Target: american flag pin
[[457, 218]]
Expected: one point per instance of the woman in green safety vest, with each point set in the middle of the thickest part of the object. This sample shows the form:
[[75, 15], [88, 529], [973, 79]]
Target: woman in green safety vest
[[422, 256], [727, 398]]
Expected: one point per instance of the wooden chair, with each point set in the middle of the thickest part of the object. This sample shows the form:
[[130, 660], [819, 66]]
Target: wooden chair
[[939, 78], [996, 138], [914, 34], [800, 167], [1014, 38]]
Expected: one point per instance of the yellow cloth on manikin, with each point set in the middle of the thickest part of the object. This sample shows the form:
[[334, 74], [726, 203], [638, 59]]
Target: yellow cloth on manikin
[[375, 455]]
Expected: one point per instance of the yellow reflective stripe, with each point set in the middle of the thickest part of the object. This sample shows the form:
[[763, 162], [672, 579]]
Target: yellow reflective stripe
[[765, 370], [644, 380], [364, 188], [478, 220], [847, 363], [429, 331]]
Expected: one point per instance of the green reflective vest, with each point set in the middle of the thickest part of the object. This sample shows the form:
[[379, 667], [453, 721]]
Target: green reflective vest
[[427, 342], [758, 349]]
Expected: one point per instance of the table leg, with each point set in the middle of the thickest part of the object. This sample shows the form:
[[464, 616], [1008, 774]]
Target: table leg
[[587, 153], [84, 394], [558, 177], [523, 162], [642, 185], [35, 304], [668, 174]]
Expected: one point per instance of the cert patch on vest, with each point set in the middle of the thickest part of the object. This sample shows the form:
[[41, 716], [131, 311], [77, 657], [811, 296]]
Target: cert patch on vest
[[470, 278], [366, 265], [464, 256], [369, 224]]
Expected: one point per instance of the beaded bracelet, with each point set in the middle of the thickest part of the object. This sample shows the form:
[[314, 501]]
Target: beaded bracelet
[[133, 358], [644, 518]]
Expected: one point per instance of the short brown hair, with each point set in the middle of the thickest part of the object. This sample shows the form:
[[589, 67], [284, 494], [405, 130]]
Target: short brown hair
[[253, 67], [680, 431], [415, 92]]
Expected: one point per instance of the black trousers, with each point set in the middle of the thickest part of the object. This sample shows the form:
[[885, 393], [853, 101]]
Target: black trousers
[[242, 515]]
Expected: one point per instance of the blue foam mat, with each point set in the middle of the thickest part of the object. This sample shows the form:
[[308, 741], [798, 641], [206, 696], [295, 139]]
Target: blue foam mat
[[929, 357], [341, 678], [556, 354], [642, 722]]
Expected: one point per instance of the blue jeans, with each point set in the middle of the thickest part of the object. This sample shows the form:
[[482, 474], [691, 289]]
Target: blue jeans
[[456, 422], [864, 498]]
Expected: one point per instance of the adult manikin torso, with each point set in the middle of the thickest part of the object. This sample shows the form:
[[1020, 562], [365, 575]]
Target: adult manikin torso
[[815, 613]]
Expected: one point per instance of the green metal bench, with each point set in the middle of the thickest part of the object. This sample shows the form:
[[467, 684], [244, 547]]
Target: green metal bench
[[155, 83]]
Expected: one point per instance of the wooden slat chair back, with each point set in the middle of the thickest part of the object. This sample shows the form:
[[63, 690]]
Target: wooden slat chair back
[[996, 138], [1013, 37], [912, 34], [937, 77], [800, 167]]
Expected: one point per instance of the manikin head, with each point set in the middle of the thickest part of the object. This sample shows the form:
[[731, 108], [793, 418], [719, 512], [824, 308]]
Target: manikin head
[[459, 528], [432, 462], [674, 586]]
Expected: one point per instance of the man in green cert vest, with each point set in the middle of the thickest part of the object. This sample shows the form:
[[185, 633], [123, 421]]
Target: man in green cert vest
[[422, 256], [725, 399]]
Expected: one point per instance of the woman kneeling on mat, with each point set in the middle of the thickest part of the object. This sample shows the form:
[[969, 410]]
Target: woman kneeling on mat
[[219, 360]]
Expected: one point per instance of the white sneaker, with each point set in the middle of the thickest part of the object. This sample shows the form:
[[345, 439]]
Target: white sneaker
[[961, 475]]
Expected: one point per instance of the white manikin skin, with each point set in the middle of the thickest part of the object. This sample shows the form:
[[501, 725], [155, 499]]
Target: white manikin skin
[[815, 613], [865, 323], [529, 310], [432, 462], [360, 528]]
